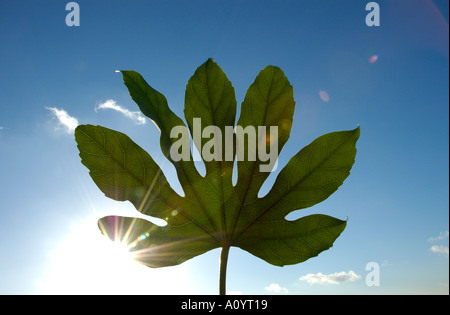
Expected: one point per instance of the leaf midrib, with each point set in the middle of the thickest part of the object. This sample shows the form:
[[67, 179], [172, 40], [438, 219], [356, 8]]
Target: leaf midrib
[[247, 187], [221, 192]]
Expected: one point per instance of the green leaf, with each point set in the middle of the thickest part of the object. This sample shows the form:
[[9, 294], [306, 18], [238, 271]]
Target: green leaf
[[210, 100], [315, 172], [284, 242], [154, 105], [269, 101], [210, 97], [310, 177], [213, 212]]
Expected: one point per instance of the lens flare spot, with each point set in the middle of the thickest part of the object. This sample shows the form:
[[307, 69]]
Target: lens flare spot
[[324, 96], [373, 58]]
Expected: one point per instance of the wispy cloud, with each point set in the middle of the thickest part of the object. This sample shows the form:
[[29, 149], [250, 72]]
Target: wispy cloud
[[442, 236], [65, 121], [334, 278], [275, 287], [111, 104], [440, 249]]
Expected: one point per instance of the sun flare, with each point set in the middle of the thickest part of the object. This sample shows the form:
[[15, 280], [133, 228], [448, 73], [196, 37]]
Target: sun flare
[[85, 262]]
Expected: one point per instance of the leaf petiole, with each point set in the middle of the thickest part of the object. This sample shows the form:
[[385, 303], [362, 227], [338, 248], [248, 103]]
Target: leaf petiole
[[223, 269]]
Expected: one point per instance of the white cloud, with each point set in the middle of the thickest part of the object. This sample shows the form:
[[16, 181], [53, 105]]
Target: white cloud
[[442, 236], [334, 278], [111, 104], [274, 287], [439, 249], [67, 122], [1, 128]]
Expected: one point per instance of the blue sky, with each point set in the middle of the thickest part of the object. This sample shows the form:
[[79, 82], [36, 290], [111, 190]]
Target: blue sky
[[55, 77]]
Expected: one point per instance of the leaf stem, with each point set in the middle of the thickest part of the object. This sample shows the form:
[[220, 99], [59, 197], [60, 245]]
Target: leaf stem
[[223, 269]]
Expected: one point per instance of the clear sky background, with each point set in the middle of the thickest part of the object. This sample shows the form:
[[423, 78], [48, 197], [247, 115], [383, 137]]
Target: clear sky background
[[392, 80]]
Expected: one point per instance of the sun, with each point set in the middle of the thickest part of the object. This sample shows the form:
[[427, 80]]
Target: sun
[[85, 262]]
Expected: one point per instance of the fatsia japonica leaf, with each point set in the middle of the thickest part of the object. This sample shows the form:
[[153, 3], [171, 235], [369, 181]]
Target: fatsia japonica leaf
[[213, 212]]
